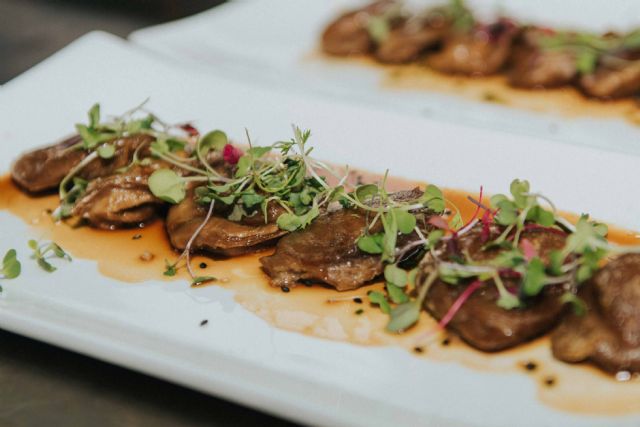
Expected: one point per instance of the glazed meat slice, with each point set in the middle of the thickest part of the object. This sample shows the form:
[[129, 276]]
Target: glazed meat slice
[[220, 235], [480, 321], [482, 51], [535, 68], [121, 200], [326, 252], [413, 37], [609, 333], [43, 169], [349, 35], [612, 82]]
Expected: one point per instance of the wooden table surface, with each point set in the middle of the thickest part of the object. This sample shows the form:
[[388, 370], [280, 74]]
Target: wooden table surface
[[42, 385]]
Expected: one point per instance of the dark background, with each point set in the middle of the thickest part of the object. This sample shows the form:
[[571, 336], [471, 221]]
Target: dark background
[[41, 385], [31, 30]]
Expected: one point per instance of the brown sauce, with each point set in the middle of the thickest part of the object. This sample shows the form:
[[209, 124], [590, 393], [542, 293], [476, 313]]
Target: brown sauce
[[564, 101], [138, 254]]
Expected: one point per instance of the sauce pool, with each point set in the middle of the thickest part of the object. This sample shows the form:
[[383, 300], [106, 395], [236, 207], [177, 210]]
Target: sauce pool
[[137, 255]]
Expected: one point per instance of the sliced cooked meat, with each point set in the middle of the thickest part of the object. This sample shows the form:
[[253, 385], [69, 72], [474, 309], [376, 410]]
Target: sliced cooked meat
[[327, 252], [43, 169], [612, 82], [482, 51], [413, 37], [609, 333], [349, 35], [119, 200], [534, 68], [220, 235], [480, 321]]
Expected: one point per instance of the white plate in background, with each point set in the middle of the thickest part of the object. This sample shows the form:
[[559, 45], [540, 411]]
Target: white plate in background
[[154, 327], [272, 43]]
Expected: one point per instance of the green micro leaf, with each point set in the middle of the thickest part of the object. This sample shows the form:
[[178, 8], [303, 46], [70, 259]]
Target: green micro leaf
[[518, 190], [292, 222], [170, 269], [371, 243], [541, 216], [378, 298], [214, 140], [94, 116], [365, 193], [586, 61], [404, 316], [252, 199], [396, 294], [11, 267], [579, 306], [433, 199], [395, 275], [106, 151], [406, 221], [167, 185], [434, 237], [535, 277], [203, 279], [507, 212]]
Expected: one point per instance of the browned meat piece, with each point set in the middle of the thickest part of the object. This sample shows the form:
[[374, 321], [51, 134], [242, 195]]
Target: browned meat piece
[[535, 68], [482, 51], [408, 41], [326, 251], [43, 169], [220, 235], [609, 333], [119, 200], [480, 321], [349, 35], [612, 82]]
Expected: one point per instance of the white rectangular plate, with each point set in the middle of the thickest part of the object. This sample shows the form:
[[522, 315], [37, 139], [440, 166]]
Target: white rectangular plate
[[275, 43], [153, 327]]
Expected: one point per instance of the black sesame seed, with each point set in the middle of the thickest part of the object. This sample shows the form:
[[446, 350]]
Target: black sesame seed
[[359, 311], [530, 366], [357, 300], [204, 322], [550, 381], [284, 289], [446, 342], [48, 211], [137, 236], [418, 349], [203, 265]]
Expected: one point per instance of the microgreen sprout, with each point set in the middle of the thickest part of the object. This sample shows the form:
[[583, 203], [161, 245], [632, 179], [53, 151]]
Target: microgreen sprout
[[43, 252], [97, 139], [11, 267], [590, 49]]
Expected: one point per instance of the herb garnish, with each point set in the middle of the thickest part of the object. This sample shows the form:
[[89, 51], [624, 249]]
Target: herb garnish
[[589, 49], [97, 140], [45, 251], [11, 267], [584, 250]]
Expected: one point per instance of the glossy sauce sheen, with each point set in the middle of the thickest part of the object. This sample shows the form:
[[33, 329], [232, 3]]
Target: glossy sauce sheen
[[564, 101], [137, 255]]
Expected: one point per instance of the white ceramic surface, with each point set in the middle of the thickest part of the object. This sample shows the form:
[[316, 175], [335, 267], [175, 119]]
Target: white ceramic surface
[[272, 43], [154, 327]]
